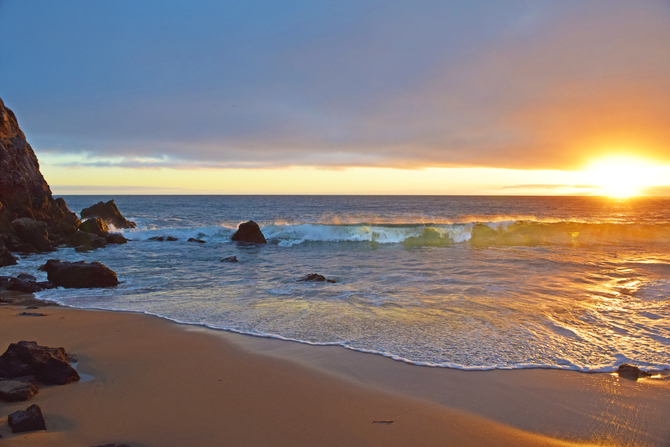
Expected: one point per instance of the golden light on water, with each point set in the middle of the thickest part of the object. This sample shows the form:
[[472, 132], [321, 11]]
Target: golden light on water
[[622, 177]]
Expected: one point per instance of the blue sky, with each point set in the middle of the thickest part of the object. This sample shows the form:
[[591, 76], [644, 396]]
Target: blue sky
[[518, 84]]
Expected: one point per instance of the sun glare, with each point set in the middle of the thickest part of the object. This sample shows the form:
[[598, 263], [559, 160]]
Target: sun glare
[[622, 177]]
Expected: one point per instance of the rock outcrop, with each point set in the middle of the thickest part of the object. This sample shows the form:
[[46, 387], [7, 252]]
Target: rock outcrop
[[48, 365], [79, 275], [250, 233], [115, 238], [108, 212], [94, 225], [31, 220]]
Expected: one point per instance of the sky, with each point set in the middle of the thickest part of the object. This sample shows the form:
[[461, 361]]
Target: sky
[[342, 97]]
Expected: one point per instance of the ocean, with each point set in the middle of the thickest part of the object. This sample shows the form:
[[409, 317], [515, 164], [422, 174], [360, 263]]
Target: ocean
[[477, 283]]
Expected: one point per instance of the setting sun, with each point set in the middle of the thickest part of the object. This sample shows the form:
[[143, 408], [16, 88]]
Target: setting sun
[[622, 176]]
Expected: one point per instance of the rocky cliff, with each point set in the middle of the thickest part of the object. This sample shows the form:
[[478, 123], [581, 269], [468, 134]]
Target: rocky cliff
[[31, 220]]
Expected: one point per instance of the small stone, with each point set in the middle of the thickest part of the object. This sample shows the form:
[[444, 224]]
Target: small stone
[[32, 314], [199, 241], [631, 372], [230, 259], [157, 238], [315, 277], [29, 420]]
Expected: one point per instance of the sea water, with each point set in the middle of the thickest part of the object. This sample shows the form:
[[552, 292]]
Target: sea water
[[465, 282]]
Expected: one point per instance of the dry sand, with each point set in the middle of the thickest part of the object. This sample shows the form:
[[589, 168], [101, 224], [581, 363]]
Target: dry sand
[[156, 383]]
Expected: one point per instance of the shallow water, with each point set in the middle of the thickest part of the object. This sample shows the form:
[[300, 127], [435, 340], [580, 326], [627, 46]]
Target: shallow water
[[465, 282]]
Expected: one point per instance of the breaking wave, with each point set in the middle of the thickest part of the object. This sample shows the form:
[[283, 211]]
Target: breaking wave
[[480, 234]]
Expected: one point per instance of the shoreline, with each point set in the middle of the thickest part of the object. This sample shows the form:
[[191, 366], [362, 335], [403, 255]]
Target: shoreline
[[509, 407]]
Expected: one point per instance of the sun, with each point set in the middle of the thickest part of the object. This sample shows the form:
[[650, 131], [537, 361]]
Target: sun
[[622, 177]]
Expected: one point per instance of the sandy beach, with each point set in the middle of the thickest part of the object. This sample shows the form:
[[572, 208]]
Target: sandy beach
[[150, 382]]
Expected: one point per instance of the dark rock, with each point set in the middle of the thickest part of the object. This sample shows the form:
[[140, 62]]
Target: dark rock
[[163, 238], [249, 232], [48, 365], [199, 241], [83, 239], [230, 259], [29, 420], [46, 285], [108, 212], [33, 232], [315, 277], [23, 286], [6, 258], [94, 225], [5, 300], [32, 314], [26, 277], [18, 389], [631, 372], [24, 194], [115, 238], [80, 274]]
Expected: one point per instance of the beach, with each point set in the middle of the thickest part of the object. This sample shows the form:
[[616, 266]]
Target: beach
[[147, 381]]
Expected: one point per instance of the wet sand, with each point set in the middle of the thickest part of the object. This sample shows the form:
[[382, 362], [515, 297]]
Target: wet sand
[[151, 382]]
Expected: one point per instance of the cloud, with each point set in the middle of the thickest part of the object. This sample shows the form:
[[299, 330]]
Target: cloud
[[115, 190], [524, 85], [548, 187]]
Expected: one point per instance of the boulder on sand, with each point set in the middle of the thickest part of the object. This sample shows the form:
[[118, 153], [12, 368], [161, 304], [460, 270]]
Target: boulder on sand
[[108, 212], [250, 233], [29, 420], [22, 285], [18, 389], [94, 225], [48, 365], [79, 274], [631, 372]]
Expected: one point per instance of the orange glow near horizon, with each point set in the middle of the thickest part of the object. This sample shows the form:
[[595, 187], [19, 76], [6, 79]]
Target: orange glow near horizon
[[614, 177], [622, 177]]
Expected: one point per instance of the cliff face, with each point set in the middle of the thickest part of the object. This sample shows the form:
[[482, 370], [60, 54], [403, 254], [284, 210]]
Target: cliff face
[[25, 196]]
